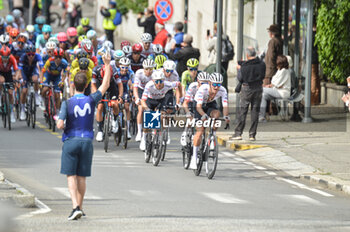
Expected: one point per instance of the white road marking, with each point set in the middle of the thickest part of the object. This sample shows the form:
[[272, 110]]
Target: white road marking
[[225, 198], [248, 163], [270, 173], [240, 159], [42, 209], [302, 186], [66, 193], [224, 153], [303, 199], [259, 167], [144, 193]]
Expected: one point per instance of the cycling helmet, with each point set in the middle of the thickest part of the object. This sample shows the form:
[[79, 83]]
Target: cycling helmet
[[71, 32], [85, 21], [30, 29], [30, 48], [54, 39], [169, 65], [127, 49], [84, 63], [40, 20], [203, 76], [82, 54], [82, 37], [146, 38], [124, 43], [5, 51], [9, 19], [58, 52], [137, 48], [14, 32], [91, 34], [50, 45], [109, 44], [8, 28], [4, 39], [118, 54], [2, 21], [216, 78], [16, 13], [124, 61], [157, 49], [80, 30], [62, 37], [87, 46], [46, 29], [157, 75], [22, 38], [148, 63], [192, 63], [159, 60]]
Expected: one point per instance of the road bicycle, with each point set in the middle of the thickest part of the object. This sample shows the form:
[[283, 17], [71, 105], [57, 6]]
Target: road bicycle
[[208, 153], [122, 135], [17, 98], [5, 105], [133, 119], [188, 149], [50, 108], [31, 106]]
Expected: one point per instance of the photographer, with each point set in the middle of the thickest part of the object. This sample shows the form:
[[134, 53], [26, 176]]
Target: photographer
[[149, 22]]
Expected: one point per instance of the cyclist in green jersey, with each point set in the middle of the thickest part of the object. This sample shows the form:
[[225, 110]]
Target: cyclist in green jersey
[[189, 75]]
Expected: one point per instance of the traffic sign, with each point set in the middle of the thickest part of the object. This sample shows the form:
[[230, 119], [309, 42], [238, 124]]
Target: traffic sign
[[163, 10]]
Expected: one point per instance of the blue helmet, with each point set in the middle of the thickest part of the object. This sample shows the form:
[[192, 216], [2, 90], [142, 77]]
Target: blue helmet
[[30, 48], [47, 28], [40, 20], [10, 19], [91, 34]]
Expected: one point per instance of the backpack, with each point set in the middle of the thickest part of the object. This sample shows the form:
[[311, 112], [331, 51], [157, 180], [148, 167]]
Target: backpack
[[117, 19], [227, 50]]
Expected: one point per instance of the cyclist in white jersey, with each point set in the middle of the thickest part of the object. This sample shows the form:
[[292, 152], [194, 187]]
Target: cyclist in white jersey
[[147, 46], [154, 94], [202, 78], [141, 78], [205, 103]]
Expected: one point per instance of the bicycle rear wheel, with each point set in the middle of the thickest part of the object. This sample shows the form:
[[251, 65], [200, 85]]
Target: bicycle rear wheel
[[106, 129], [33, 110], [211, 156], [200, 156], [156, 149], [8, 110], [29, 110], [52, 113], [163, 144], [125, 130], [17, 103], [3, 111], [148, 149]]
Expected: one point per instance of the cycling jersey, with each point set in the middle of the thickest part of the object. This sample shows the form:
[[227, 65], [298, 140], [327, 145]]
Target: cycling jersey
[[125, 79], [37, 29], [7, 67], [202, 95], [147, 52], [73, 72], [29, 70], [17, 52], [191, 91], [40, 42], [153, 93], [97, 79], [141, 79], [136, 65], [186, 79], [75, 64], [173, 77], [51, 68]]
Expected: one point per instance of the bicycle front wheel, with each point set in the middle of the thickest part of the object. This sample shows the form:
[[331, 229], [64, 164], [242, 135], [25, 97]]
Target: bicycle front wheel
[[3, 111], [156, 149], [8, 110], [52, 113], [200, 156], [148, 149], [106, 129], [163, 144], [211, 155], [29, 110], [125, 130], [33, 110]]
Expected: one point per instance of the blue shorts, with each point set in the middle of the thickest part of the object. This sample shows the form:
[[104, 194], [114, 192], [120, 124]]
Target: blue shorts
[[77, 156], [54, 79], [27, 77]]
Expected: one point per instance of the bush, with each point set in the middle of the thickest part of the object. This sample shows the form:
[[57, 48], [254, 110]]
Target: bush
[[333, 39], [136, 6]]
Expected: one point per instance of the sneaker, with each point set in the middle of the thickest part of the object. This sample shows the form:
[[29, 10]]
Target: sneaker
[[114, 126], [183, 139], [169, 140], [263, 120], [75, 214], [193, 164], [252, 138], [22, 115], [143, 144], [99, 136], [138, 137], [236, 137], [13, 118]]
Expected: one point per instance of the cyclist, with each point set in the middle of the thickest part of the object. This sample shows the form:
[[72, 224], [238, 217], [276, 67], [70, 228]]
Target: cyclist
[[154, 94], [108, 44], [17, 14], [5, 41], [91, 35], [206, 107], [85, 23], [53, 69], [142, 77], [28, 64], [159, 60], [14, 32], [48, 51], [87, 46], [157, 50], [147, 46], [84, 64], [127, 50], [136, 57], [40, 21], [124, 43], [72, 35], [42, 39], [31, 34], [18, 48], [8, 61], [115, 90], [10, 21], [190, 74], [117, 55], [2, 25], [202, 78]]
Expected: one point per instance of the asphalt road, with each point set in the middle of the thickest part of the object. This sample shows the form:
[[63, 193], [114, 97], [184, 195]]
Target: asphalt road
[[126, 194]]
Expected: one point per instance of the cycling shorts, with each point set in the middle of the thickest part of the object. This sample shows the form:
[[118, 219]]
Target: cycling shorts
[[54, 79], [153, 103], [140, 92], [27, 77], [207, 108], [7, 75]]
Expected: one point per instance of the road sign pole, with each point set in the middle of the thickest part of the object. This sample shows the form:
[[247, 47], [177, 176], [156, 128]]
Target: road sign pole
[[186, 16]]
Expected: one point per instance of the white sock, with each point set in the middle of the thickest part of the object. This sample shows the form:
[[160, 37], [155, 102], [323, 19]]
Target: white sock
[[195, 152], [139, 128], [128, 124]]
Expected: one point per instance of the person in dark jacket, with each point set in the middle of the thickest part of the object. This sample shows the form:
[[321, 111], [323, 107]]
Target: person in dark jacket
[[184, 54], [251, 74], [149, 22]]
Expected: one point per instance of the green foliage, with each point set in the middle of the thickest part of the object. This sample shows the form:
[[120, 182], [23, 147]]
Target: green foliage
[[136, 6], [333, 39]]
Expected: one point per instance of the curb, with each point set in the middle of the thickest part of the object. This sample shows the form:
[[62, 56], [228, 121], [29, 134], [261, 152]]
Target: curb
[[327, 183], [237, 146]]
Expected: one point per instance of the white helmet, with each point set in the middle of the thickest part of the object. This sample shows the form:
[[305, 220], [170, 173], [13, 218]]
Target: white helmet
[[158, 75], [216, 78], [146, 38], [124, 61], [118, 54], [50, 45], [24, 34], [157, 49], [55, 40], [4, 38], [30, 28], [16, 13], [127, 49], [169, 65], [148, 63], [108, 43], [203, 76]]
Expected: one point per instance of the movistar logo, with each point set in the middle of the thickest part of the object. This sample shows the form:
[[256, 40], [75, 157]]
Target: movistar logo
[[82, 112]]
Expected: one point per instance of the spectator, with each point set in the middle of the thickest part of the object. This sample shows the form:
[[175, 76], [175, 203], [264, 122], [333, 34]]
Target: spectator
[[184, 54], [162, 34], [315, 78], [251, 74], [149, 22], [109, 15], [279, 88], [74, 12], [178, 38], [274, 49]]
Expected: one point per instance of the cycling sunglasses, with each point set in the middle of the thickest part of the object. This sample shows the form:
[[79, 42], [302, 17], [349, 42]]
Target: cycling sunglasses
[[148, 69], [20, 43], [124, 67], [169, 71], [63, 42], [137, 53], [60, 57], [46, 33], [30, 54], [14, 37], [216, 84], [158, 81], [193, 69], [5, 57]]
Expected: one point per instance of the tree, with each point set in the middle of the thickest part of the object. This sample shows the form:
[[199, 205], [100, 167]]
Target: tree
[[136, 6]]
